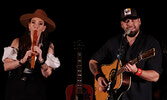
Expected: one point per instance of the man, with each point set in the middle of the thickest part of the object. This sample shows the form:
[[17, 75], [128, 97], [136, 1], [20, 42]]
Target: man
[[122, 49]]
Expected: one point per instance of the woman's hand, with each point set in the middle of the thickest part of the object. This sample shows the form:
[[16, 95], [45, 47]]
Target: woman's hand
[[38, 52], [46, 70], [28, 55]]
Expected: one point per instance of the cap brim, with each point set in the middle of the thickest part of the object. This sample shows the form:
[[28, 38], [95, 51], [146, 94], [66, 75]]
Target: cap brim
[[129, 17]]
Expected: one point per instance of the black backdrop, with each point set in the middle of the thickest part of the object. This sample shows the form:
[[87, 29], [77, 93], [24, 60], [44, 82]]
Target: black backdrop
[[91, 22]]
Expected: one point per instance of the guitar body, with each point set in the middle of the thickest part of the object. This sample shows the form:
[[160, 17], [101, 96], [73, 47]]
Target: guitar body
[[121, 83], [72, 93]]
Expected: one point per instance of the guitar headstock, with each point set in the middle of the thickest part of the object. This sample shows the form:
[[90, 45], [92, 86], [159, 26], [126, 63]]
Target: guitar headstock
[[148, 54], [78, 45]]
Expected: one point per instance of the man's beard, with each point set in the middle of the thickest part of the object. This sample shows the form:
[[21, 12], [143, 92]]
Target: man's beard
[[133, 33]]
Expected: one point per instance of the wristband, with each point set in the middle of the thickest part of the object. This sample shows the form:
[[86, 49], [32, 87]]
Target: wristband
[[99, 75], [20, 62], [139, 72], [41, 63]]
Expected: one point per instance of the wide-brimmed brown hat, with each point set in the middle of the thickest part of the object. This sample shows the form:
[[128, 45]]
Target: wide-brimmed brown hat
[[24, 19]]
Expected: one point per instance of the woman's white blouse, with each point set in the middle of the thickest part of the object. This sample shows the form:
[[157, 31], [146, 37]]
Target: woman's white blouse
[[12, 53]]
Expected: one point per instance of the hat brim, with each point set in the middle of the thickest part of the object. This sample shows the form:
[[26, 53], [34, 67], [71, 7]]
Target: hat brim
[[24, 19], [129, 17]]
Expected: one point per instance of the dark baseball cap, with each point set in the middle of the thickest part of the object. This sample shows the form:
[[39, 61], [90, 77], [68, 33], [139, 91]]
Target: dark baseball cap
[[130, 13]]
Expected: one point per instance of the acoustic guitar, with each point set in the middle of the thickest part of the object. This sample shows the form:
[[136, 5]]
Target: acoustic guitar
[[79, 91], [118, 82]]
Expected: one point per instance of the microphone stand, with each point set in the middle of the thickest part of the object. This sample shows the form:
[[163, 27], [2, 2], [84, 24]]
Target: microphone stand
[[112, 84]]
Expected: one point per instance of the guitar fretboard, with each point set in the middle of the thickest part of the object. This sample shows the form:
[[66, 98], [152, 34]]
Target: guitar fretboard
[[145, 55], [79, 72]]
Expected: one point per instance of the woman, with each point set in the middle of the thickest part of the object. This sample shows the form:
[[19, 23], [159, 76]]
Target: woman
[[30, 59]]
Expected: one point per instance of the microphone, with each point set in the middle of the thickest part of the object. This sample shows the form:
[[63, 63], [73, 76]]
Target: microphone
[[127, 32]]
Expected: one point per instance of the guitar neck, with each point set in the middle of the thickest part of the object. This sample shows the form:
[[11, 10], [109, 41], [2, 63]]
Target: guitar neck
[[79, 72], [147, 54], [122, 69]]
